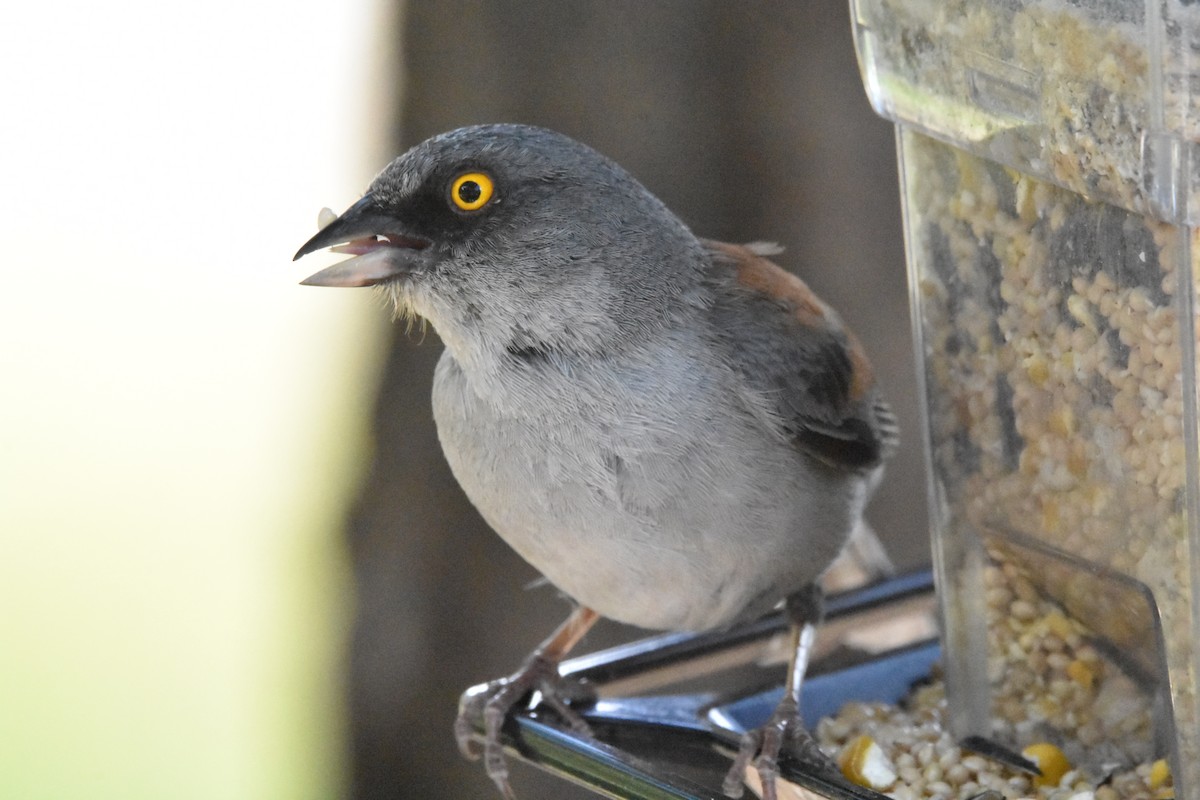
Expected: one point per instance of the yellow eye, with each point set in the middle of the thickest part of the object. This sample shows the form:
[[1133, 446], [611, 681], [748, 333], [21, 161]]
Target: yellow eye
[[471, 191]]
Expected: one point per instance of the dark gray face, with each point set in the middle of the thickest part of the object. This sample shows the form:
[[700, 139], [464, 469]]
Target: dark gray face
[[507, 232]]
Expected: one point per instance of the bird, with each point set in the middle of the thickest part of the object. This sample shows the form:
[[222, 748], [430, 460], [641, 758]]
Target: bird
[[676, 432]]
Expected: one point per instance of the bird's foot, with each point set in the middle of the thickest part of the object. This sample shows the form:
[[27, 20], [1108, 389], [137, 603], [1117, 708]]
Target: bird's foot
[[783, 734], [493, 701]]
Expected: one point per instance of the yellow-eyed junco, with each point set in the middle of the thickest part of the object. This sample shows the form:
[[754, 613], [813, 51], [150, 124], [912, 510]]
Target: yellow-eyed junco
[[676, 432]]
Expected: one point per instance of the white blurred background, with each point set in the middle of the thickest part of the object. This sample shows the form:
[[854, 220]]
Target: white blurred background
[[180, 423]]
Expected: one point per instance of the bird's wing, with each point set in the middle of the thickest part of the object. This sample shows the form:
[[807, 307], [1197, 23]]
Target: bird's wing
[[795, 353]]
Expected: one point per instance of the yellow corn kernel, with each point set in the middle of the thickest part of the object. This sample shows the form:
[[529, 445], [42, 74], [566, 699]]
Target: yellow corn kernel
[[864, 762], [1081, 673], [1160, 773], [1050, 760]]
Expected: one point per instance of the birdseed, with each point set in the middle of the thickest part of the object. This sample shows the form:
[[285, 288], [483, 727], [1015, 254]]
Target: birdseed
[[928, 763], [1054, 314]]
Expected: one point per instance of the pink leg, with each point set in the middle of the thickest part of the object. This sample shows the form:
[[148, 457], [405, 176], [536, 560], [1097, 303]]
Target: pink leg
[[493, 703]]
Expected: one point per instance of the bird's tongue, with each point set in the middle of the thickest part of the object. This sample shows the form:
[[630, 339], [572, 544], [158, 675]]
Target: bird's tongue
[[358, 247], [368, 244]]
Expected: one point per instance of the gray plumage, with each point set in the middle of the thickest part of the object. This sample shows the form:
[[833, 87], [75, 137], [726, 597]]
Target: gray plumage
[[673, 431]]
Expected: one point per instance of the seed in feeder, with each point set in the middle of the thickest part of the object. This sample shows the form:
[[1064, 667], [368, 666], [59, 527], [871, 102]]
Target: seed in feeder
[[1081, 673], [1160, 773], [1078, 308], [1022, 610], [864, 762], [1050, 760]]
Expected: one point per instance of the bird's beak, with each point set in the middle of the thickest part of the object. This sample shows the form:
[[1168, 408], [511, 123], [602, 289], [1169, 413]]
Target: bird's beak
[[380, 247]]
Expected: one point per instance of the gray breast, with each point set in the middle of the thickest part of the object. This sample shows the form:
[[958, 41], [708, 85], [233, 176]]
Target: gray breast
[[661, 503]]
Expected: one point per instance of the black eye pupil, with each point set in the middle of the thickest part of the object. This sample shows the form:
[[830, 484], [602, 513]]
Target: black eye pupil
[[469, 191]]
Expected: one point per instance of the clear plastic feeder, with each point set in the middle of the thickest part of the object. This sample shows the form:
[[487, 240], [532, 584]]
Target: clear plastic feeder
[[1050, 170]]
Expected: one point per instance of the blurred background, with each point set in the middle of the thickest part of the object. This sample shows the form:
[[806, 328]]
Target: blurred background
[[232, 561]]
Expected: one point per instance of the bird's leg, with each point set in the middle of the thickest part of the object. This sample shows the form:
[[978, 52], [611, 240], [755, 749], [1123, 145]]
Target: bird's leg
[[784, 732], [539, 671]]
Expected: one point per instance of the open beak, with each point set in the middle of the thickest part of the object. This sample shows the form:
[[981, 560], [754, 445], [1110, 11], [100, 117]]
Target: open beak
[[380, 248]]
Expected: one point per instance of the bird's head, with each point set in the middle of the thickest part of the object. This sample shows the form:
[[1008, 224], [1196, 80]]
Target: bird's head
[[508, 236]]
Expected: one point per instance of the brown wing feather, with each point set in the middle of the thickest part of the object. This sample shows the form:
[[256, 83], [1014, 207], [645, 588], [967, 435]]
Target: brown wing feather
[[794, 349]]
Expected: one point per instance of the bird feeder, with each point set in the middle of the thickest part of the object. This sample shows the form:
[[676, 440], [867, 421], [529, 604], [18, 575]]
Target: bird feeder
[[1050, 172]]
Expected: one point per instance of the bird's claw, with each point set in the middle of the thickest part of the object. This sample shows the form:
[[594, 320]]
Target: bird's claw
[[784, 733], [492, 702]]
